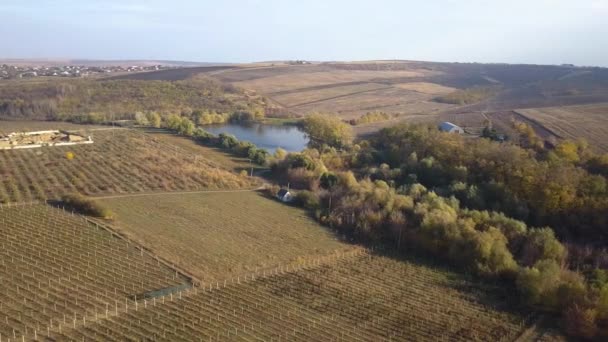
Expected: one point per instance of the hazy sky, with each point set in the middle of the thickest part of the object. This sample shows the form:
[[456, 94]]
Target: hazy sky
[[513, 31]]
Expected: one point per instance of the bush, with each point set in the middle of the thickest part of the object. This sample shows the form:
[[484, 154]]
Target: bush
[[371, 117], [308, 200], [202, 135], [468, 96], [86, 206]]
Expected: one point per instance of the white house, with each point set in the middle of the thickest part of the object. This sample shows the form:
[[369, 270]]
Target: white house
[[284, 196], [450, 128]]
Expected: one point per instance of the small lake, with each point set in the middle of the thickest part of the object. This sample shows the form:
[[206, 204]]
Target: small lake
[[268, 137]]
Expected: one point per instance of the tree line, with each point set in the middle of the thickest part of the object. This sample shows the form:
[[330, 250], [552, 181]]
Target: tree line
[[496, 209]]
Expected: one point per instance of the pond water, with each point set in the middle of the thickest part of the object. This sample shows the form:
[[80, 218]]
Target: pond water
[[268, 137]]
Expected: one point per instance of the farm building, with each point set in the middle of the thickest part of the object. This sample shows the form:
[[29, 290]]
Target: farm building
[[450, 128], [41, 138], [284, 196]]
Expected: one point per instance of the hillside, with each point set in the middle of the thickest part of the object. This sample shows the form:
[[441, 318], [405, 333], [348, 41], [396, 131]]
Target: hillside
[[85, 100], [468, 94]]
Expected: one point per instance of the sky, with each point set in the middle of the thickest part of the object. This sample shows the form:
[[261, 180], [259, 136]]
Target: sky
[[506, 31]]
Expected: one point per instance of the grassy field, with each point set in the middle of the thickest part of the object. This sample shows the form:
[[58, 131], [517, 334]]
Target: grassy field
[[366, 298], [57, 268], [119, 161], [219, 235], [572, 122]]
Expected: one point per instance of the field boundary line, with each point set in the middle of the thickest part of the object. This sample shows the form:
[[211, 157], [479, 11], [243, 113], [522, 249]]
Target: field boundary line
[[143, 194], [318, 87], [118, 234], [536, 122], [338, 97]]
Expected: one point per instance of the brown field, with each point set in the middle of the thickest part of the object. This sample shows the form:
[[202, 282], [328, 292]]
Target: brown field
[[119, 161], [297, 98], [391, 100], [220, 235], [572, 122], [343, 89], [283, 82], [57, 268], [364, 298]]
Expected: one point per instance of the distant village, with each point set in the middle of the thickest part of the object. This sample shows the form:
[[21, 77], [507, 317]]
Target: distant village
[[13, 72]]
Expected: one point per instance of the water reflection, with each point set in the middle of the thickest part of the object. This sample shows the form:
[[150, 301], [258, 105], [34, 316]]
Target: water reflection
[[269, 137]]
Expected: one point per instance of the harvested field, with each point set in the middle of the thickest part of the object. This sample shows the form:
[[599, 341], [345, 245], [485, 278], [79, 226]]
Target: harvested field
[[572, 122], [409, 107], [354, 105], [366, 298], [338, 88], [57, 268], [120, 161], [218, 235], [306, 79], [305, 97]]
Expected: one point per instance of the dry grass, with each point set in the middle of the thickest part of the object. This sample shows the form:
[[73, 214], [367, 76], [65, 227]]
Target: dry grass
[[119, 161], [219, 235], [572, 122], [215, 155]]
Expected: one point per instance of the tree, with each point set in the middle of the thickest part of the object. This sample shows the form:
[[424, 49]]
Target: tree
[[173, 122], [568, 150], [328, 180], [154, 119], [280, 154], [327, 130], [141, 119], [186, 127]]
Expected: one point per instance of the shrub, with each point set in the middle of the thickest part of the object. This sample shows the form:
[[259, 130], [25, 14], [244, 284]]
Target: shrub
[[467, 96], [371, 117], [86, 206], [308, 200]]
